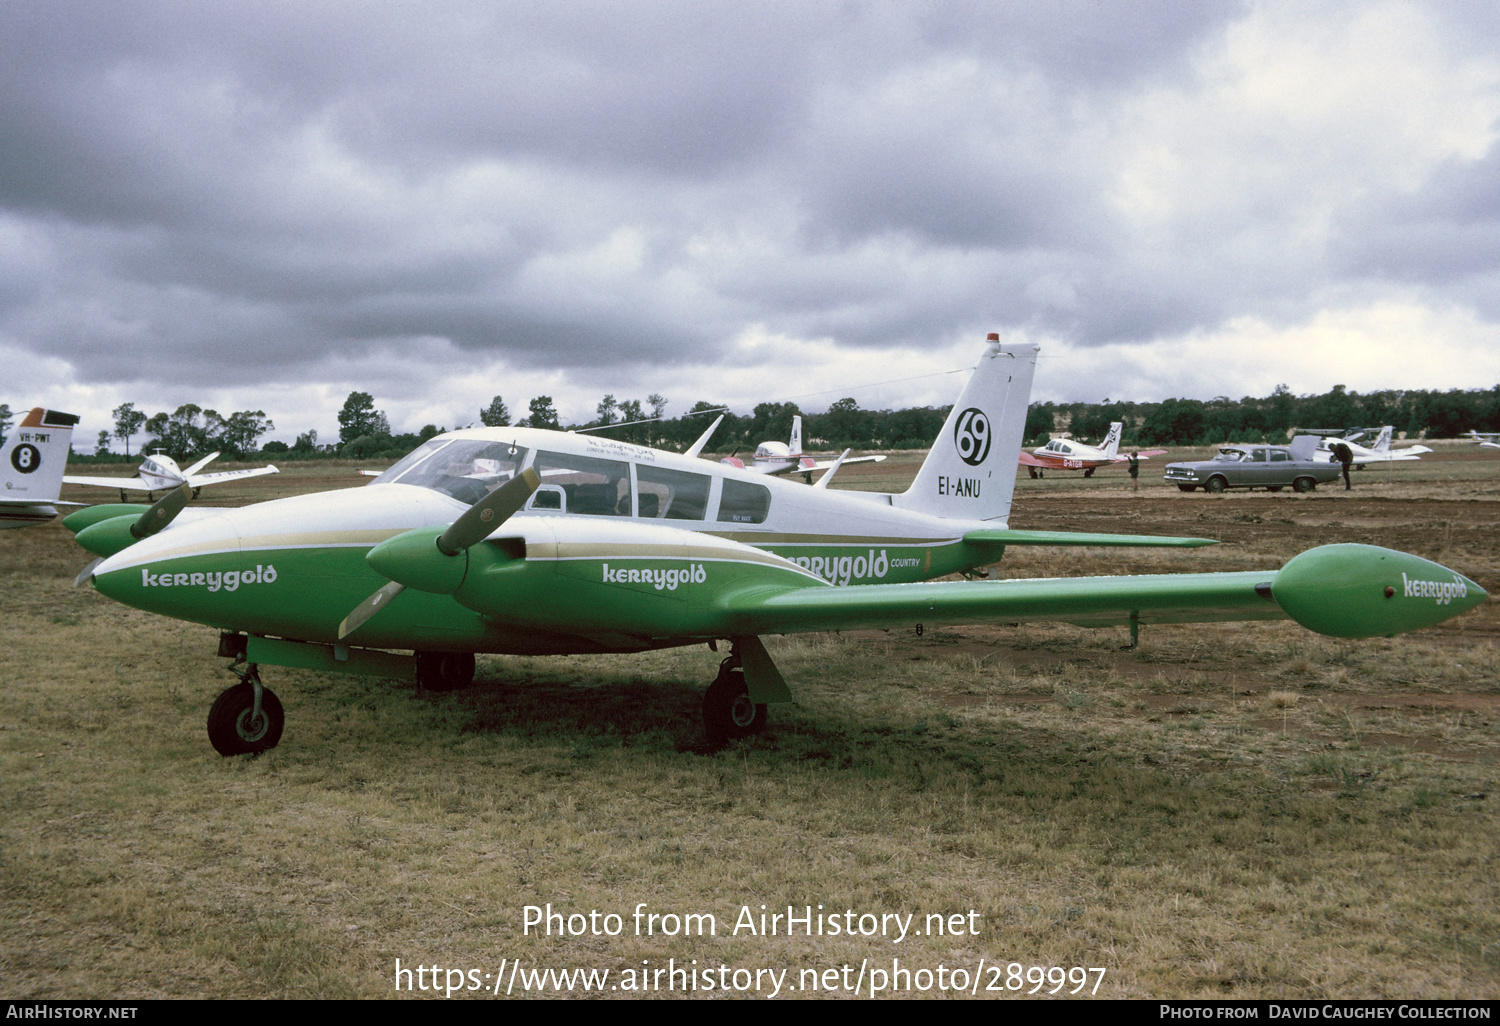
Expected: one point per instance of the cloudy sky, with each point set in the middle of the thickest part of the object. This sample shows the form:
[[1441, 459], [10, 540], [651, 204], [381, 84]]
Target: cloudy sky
[[269, 205]]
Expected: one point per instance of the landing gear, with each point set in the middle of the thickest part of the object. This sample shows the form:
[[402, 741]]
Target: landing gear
[[1033, 473], [1089, 472], [728, 712], [196, 491], [445, 671], [247, 718]]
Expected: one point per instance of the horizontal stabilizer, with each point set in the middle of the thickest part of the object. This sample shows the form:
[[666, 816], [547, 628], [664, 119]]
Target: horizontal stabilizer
[[1000, 536]]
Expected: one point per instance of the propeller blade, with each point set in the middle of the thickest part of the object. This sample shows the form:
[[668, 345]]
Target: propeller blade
[[87, 572], [162, 512], [368, 608], [480, 519]]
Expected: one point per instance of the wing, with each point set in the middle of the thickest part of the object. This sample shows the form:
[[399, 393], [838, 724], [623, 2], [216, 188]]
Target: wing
[[1026, 459], [1086, 601], [826, 464], [135, 484], [1344, 591], [199, 480]]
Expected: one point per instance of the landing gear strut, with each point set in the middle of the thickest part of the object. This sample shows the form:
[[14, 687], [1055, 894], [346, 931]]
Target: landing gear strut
[[247, 718], [728, 712]]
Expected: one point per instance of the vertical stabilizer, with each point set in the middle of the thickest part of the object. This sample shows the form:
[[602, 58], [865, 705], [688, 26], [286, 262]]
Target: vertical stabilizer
[[1111, 444], [34, 457], [970, 472], [1383, 442], [796, 447]]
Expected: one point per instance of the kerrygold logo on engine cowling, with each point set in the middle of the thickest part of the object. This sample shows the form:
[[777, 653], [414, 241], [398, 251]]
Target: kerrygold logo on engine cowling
[[1443, 592], [661, 579], [229, 580]]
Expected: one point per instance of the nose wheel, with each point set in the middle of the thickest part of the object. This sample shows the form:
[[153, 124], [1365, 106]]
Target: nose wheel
[[728, 712], [247, 718]]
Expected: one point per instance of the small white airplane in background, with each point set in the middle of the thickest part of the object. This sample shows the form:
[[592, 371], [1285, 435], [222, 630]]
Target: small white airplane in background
[[788, 458], [1490, 440], [31, 468], [1066, 454], [159, 473], [1380, 452]]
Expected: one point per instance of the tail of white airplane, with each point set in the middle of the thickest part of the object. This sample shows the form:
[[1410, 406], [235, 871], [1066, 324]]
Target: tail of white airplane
[[970, 473], [795, 449], [1383, 440], [32, 464], [1111, 444]]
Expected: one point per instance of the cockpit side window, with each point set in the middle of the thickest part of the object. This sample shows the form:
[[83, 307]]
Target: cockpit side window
[[467, 469], [411, 459], [671, 494], [589, 485]]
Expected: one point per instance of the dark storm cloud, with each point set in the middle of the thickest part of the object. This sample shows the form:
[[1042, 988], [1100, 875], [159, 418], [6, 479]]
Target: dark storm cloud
[[186, 186]]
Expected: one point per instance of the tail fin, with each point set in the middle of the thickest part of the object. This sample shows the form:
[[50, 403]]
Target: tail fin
[[970, 472], [795, 449], [35, 456], [1111, 444], [1383, 442]]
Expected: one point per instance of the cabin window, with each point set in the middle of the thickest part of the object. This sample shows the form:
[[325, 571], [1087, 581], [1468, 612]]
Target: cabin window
[[1280, 456], [1260, 456], [671, 494], [744, 503], [467, 469], [589, 486]]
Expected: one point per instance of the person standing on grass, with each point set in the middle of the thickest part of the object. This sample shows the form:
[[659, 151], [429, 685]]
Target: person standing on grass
[[1344, 455], [1135, 470]]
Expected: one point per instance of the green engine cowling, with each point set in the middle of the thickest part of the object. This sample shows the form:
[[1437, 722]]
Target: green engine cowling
[[91, 515], [1364, 591], [106, 537]]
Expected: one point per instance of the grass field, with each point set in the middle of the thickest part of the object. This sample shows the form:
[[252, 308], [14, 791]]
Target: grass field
[[1241, 810]]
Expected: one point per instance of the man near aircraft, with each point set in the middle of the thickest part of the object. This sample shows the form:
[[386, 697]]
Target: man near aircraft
[[1135, 470], [1345, 456]]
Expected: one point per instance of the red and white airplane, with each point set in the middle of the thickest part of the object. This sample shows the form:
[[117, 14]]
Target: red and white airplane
[[1064, 454], [788, 458]]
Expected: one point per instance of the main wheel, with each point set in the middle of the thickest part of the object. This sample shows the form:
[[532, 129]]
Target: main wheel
[[1089, 472], [1304, 484], [235, 730], [727, 710], [445, 671], [1214, 484]]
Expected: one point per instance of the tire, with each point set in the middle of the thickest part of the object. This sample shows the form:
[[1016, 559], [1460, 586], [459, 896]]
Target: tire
[[1187, 488], [445, 671], [230, 729], [728, 712], [1215, 485], [1304, 484], [1089, 472]]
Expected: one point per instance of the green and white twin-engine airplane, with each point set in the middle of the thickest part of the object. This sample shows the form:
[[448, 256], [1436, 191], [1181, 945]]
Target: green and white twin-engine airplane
[[525, 541]]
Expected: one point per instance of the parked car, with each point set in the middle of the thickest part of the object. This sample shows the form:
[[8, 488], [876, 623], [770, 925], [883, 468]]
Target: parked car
[[1272, 467]]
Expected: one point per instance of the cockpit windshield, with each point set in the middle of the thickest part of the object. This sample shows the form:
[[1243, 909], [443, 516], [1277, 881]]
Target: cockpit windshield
[[467, 469]]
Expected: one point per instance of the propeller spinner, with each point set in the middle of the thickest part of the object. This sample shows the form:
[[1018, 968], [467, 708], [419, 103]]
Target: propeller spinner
[[476, 523]]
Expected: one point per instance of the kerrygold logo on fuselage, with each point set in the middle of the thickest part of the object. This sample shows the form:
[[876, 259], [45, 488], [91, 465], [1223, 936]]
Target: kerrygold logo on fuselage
[[229, 580], [1443, 591], [660, 579]]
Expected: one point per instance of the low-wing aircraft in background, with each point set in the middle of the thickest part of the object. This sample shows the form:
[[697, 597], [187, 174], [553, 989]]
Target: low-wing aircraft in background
[[1378, 452], [159, 472], [1486, 439], [788, 457], [1065, 454], [31, 468], [526, 541]]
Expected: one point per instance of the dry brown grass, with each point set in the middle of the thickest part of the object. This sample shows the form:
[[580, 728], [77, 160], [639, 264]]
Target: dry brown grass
[[1238, 810]]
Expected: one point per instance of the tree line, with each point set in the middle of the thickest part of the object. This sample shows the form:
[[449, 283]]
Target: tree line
[[191, 431]]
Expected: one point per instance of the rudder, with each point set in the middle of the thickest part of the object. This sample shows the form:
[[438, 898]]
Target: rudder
[[970, 472]]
